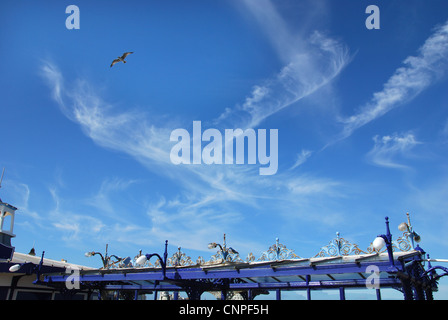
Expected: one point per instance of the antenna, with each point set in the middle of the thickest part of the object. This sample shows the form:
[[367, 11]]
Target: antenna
[[1, 179]]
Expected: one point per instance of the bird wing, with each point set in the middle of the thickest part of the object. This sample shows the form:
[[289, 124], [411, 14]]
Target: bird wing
[[125, 55], [114, 62]]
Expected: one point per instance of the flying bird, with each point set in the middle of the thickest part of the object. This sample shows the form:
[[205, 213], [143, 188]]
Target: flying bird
[[121, 58]]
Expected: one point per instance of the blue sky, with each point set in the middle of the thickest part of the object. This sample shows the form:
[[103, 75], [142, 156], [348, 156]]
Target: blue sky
[[361, 114]]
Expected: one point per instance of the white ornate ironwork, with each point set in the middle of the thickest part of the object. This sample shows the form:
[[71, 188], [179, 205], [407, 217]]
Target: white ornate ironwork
[[179, 258], [278, 251], [339, 247], [250, 257]]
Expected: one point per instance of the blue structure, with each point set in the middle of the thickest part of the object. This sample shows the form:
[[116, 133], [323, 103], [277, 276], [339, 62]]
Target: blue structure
[[339, 265]]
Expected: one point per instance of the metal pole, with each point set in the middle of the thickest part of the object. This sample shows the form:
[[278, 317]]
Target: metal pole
[[341, 293], [278, 294], [308, 289], [389, 243], [378, 294]]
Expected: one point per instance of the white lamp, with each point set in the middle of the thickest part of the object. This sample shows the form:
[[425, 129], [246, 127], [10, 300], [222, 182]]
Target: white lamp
[[14, 268], [141, 260], [378, 243], [212, 245], [403, 226]]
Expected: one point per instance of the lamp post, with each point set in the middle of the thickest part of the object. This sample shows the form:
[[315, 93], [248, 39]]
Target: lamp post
[[30, 268], [223, 249], [385, 240], [143, 258], [105, 259], [408, 227]]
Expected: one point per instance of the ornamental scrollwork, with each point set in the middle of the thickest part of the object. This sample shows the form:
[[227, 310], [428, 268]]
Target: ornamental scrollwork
[[403, 243], [339, 247], [278, 251], [250, 258], [179, 258], [222, 257]]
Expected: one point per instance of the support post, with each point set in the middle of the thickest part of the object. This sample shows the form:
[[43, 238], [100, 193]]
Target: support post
[[378, 294], [278, 294], [389, 244], [341, 293], [308, 289]]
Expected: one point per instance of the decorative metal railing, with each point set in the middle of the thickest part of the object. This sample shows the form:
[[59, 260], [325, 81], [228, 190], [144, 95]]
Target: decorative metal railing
[[276, 252]]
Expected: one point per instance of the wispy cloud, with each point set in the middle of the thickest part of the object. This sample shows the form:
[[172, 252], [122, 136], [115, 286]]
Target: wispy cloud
[[103, 199], [101, 122], [197, 187], [303, 185], [417, 74], [301, 158], [209, 198], [203, 197], [72, 225], [387, 149], [21, 195], [444, 131], [310, 63]]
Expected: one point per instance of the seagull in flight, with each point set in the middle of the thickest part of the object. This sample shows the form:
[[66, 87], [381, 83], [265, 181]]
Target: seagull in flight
[[121, 58]]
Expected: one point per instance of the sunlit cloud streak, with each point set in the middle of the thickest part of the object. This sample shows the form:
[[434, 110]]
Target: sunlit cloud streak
[[204, 195], [388, 148], [310, 63], [198, 187], [417, 74]]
